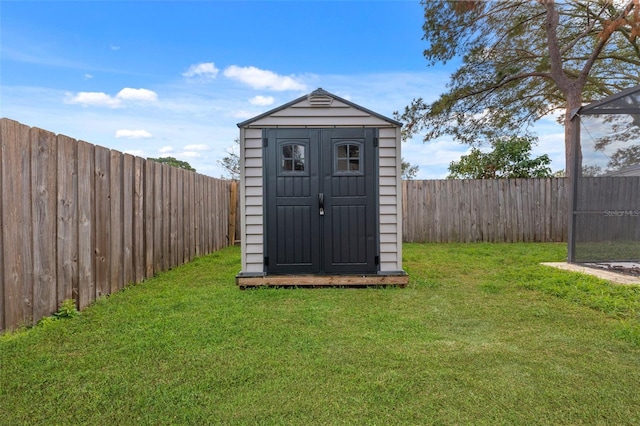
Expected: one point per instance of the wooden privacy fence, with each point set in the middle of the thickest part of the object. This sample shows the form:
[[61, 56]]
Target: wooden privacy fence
[[81, 221], [492, 210]]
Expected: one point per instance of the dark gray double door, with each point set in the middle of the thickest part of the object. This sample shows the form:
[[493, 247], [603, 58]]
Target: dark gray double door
[[321, 201]]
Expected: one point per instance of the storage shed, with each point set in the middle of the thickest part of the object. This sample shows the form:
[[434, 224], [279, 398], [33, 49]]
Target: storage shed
[[320, 195]]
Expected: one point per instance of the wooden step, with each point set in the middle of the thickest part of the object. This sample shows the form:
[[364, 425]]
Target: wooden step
[[323, 281]]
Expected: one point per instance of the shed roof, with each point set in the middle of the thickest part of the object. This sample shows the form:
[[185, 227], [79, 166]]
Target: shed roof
[[624, 102], [320, 98]]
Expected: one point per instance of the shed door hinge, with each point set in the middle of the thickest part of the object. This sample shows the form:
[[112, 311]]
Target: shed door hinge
[[375, 142], [266, 261], [265, 142], [377, 260]]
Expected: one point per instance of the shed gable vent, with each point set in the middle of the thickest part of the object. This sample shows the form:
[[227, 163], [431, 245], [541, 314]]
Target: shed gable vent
[[319, 98]]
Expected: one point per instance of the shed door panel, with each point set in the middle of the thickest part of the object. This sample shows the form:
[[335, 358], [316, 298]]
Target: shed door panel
[[350, 231], [320, 201], [292, 240]]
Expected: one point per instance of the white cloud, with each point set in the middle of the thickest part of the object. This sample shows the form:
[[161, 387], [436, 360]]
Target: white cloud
[[103, 99], [114, 47], [200, 147], [205, 70], [261, 100], [190, 154], [88, 76], [263, 79], [165, 149], [137, 95], [133, 134], [93, 98]]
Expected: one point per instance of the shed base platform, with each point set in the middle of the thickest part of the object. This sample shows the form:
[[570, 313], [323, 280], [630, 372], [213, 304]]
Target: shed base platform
[[399, 280]]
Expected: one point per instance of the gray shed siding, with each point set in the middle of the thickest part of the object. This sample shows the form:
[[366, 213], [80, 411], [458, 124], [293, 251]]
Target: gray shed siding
[[305, 115]]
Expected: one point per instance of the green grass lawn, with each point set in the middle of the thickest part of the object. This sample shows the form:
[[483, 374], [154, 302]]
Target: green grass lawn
[[482, 335]]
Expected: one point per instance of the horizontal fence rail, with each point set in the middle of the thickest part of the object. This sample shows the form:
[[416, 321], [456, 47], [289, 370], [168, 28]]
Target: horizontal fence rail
[[490, 210], [80, 221]]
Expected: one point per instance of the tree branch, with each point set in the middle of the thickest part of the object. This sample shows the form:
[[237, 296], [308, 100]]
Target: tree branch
[[601, 44], [585, 33], [551, 25]]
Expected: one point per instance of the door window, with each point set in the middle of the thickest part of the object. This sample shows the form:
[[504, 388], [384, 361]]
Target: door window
[[292, 158], [348, 158]]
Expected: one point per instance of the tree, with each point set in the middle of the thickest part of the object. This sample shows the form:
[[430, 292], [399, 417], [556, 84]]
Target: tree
[[174, 162], [510, 158], [522, 60], [409, 172], [231, 163]]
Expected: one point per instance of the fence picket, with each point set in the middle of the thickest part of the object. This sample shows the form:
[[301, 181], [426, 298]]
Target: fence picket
[[166, 212], [43, 207], [150, 221], [174, 232], [103, 221], [191, 206], [116, 254], [86, 223], [160, 206], [127, 218], [198, 215], [16, 224], [138, 220], [67, 218]]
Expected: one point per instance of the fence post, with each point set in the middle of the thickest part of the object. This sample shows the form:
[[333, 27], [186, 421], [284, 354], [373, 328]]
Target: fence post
[[233, 208]]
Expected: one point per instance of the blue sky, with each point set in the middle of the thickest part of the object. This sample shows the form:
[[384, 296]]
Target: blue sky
[[173, 78]]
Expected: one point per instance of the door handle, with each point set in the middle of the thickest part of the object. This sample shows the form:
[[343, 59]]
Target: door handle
[[321, 203]]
